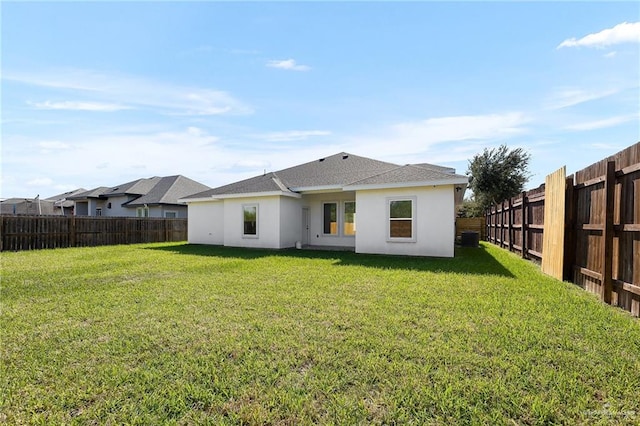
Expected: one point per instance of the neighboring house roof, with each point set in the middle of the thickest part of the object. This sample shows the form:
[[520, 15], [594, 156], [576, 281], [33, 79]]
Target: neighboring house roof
[[339, 171], [149, 191], [168, 190], [135, 187], [63, 200], [92, 193], [26, 206]]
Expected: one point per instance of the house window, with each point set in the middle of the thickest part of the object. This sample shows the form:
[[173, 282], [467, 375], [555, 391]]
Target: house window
[[250, 220], [330, 218], [170, 215], [349, 218], [401, 219], [98, 212], [142, 212]]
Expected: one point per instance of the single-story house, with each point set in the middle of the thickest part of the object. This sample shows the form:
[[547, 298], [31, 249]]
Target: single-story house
[[342, 201], [147, 197]]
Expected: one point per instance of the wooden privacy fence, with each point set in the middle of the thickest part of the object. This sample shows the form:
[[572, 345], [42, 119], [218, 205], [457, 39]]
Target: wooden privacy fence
[[474, 224], [583, 228], [42, 232]]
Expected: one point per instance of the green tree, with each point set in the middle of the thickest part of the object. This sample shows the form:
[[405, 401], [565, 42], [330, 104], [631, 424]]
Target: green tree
[[470, 208], [498, 174]]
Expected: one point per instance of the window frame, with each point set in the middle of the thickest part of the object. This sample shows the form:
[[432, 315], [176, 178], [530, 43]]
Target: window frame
[[142, 211], [257, 207], [338, 230], [175, 213], [413, 238], [344, 218]]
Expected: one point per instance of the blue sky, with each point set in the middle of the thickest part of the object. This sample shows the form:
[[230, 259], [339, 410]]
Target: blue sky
[[98, 94]]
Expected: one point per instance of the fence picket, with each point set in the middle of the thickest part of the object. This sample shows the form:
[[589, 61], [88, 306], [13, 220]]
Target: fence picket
[[24, 232]]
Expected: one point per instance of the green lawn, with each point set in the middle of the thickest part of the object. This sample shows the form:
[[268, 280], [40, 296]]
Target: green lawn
[[181, 334]]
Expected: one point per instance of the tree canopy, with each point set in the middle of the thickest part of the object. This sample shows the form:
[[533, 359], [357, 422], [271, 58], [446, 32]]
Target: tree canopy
[[498, 174]]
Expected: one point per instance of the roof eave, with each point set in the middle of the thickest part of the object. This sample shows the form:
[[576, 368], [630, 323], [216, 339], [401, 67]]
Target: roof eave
[[318, 189], [217, 197]]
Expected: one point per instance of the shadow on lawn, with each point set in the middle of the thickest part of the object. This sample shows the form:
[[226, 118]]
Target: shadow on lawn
[[466, 261]]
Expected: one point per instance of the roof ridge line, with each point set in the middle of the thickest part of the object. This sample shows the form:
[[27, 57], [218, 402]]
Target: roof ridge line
[[374, 175]]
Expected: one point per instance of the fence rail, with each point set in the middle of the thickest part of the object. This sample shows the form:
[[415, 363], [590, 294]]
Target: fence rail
[[474, 224], [41, 232], [598, 244]]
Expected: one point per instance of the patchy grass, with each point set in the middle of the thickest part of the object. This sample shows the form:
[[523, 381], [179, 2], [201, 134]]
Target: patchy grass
[[184, 334]]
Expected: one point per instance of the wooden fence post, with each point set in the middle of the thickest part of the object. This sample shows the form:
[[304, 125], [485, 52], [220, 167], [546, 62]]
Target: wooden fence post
[[502, 224], [607, 233], [72, 228], [510, 223], [525, 229], [569, 229]]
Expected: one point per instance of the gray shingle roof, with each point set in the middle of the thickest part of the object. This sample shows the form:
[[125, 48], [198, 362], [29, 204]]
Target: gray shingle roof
[[410, 173], [92, 193], [335, 171], [268, 182], [168, 190], [135, 187], [64, 199]]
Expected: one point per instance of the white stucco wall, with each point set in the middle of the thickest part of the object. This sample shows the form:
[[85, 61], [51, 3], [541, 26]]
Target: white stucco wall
[[314, 202], [268, 222], [206, 223], [290, 221], [116, 209], [434, 222]]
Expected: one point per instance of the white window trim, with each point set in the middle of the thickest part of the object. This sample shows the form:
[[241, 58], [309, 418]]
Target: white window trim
[[339, 228], [257, 234], [342, 219], [414, 211], [171, 211], [140, 211]]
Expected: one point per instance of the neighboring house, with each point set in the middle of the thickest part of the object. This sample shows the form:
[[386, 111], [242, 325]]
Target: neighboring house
[[62, 205], [27, 206], [343, 200], [148, 197]]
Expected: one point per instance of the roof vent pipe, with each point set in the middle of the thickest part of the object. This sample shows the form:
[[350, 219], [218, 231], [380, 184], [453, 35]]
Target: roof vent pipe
[[321, 160], [344, 157]]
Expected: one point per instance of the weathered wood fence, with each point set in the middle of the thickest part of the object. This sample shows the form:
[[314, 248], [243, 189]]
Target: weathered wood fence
[[42, 232], [591, 225], [474, 224]]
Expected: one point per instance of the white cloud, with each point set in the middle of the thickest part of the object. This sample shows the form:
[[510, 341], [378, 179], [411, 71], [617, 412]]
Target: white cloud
[[440, 139], [288, 64], [40, 182], [292, 135], [626, 32], [78, 106], [567, 97], [252, 164], [601, 124], [611, 54], [53, 145], [460, 128], [118, 89]]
